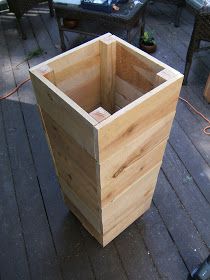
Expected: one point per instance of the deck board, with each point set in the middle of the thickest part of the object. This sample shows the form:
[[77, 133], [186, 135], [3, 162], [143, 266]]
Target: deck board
[[46, 239], [10, 221], [38, 240], [53, 202]]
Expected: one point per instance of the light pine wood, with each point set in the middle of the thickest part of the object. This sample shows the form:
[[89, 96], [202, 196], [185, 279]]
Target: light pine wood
[[93, 219], [85, 222], [65, 112], [48, 73], [126, 124], [99, 114], [206, 93], [129, 205], [107, 115], [108, 70], [117, 176], [125, 93]]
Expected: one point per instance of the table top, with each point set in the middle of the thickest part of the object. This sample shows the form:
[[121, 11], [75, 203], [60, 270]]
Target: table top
[[126, 12]]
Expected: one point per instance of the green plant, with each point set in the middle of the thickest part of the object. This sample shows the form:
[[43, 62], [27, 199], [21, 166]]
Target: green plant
[[32, 54], [148, 38]]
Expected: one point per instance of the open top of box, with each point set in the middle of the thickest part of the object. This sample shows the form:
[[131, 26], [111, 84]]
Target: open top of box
[[106, 72]]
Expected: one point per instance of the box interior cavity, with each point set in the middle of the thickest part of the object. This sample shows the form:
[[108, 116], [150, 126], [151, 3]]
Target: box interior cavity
[[80, 76]]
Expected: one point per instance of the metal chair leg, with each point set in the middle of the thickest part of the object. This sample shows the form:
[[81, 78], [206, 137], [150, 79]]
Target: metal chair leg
[[178, 15], [20, 27], [143, 22], [186, 72], [61, 33], [50, 4]]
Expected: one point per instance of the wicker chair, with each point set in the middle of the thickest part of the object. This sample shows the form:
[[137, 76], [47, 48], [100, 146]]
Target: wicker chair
[[179, 5], [201, 31], [19, 7]]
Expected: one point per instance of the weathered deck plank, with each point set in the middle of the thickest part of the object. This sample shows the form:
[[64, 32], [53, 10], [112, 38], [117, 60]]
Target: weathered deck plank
[[168, 241], [185, 187], [179, 224], [13, 253], [161, 246], [38, 240], [53, 203]]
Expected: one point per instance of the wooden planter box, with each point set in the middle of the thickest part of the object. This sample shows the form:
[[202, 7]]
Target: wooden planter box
[[107, 109]]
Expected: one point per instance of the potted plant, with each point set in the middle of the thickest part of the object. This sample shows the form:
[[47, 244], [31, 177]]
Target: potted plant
[[147, 42]]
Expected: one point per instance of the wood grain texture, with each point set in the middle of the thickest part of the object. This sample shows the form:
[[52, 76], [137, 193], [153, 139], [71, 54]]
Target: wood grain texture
[[81, 82], [76, 211], [93, 219], [125, 93], [108, 164], [133, 70], [129, 205], [76, 167], [157, 243], [117, 176], [136, 150], [108, 70], [71, 118], [126, 124], [71, 59], [99, 114]]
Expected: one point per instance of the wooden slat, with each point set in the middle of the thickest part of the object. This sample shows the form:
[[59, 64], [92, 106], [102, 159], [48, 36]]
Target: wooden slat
[[87, 95], [179, 224], [108, 70], [77, 123], [48, 73], [70, 57], [93, 219], [147, 61], [73, 164], [13, 256], [73, 57], [183, 182], [161, 246], [189, 155], [118, 176], [129, 206], [62, 223], [85, 222], [39, 245], [79, 74], [125, 93], [99, 114], [131, 69], [126, 124]]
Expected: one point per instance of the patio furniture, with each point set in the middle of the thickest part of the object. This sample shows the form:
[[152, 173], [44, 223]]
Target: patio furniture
[[131, 14], [19, 7], [201, 30], [179, 5]]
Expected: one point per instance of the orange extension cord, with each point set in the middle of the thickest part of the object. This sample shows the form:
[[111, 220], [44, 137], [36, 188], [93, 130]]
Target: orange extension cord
[[205, 130], [14, 90]]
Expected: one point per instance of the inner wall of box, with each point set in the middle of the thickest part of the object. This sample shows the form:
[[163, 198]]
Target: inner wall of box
[[132, 77]]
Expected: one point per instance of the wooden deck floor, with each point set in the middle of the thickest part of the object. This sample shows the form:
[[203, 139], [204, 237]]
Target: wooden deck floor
[[39, 237]]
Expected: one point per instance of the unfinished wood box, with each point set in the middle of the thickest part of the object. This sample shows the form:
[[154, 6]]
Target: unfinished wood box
[[107, 110]]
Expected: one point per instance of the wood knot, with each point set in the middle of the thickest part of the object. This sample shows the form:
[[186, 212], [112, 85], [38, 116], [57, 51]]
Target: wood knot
[[50, 97]]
